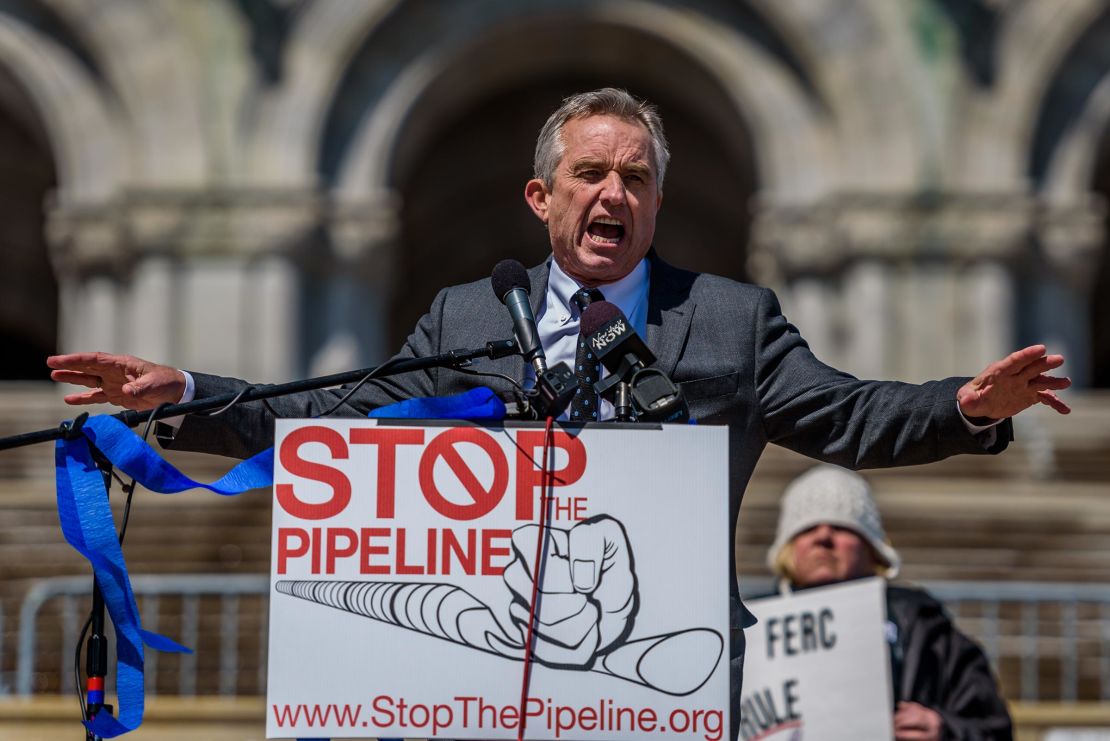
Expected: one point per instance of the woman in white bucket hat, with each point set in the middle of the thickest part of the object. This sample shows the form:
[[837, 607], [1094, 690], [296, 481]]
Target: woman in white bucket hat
[[830, 531]]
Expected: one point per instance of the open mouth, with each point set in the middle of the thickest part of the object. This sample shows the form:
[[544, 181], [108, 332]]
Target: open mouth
[[606, 231]]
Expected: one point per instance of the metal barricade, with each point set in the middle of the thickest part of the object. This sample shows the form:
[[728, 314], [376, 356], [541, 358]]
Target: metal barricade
[[1065, 624], [151, 592], [1047, 642]]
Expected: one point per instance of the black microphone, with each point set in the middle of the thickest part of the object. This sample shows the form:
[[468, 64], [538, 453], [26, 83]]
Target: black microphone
[[620, 349], [611, 336], [554, 386], [511, 285]]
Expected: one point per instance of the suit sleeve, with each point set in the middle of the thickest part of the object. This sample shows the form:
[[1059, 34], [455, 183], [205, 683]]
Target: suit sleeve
[[824, 413], [248, 428]]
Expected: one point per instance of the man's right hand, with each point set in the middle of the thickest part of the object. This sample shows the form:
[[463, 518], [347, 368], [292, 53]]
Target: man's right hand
[[123, 380]]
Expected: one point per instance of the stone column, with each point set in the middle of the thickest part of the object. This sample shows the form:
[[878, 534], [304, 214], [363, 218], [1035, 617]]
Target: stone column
[[355, 304], [903, 286], [812, 303], [91, 263], [273, 344], [212, 335], [1070, 235], [154, 307], [205, 280], [233, 257], [869, 294], [988, 308]]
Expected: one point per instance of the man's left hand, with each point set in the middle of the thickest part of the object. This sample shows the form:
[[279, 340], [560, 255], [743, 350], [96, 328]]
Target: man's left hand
[[1012, 385], [913, 722]]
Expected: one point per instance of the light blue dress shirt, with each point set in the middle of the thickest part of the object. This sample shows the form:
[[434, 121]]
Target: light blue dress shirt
[[558, 319]]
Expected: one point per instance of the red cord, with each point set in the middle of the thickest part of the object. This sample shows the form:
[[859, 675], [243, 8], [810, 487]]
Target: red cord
[[545, 484]]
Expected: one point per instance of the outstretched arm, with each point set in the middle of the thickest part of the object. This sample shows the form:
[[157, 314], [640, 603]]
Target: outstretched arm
[[830, 415], [246, 428]]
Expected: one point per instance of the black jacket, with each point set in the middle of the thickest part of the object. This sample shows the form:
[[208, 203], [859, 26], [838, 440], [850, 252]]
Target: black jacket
[[937, 666]]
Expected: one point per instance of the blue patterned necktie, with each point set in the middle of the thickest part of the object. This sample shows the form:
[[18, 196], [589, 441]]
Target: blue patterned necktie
[[587, 368]]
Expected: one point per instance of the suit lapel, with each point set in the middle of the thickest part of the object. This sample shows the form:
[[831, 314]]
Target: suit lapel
[[538, 290], [670, 310]]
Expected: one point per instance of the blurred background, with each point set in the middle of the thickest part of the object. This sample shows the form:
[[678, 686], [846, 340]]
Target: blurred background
[[277, 188]]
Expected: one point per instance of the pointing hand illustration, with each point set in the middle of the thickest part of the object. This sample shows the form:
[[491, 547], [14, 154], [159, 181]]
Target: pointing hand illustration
[[588, 597]]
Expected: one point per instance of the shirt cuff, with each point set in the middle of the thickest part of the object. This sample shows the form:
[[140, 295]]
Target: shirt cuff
[[991, 436], [186, 396]]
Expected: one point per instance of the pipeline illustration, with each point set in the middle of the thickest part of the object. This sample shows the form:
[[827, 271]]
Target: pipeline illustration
[[450, 613]]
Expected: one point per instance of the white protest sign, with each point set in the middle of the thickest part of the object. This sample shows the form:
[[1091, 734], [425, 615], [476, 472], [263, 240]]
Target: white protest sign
[[402, 572], [818, 666]]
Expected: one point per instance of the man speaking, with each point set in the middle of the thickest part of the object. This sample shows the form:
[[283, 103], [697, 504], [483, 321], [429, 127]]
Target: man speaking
[[598, 185]]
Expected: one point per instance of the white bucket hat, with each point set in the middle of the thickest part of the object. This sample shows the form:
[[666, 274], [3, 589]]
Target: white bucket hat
[[837, 496]]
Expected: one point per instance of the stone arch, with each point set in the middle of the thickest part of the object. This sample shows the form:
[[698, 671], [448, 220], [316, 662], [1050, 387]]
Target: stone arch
[[785, 118], [457, 231], [287, 122], [866, 72], [153, 76], [1069, 164], [1073, 104], [1066, 162], [761, 117], [1072, 172], [1100, 295], [28, 289], [79, 119], [1033, 41]]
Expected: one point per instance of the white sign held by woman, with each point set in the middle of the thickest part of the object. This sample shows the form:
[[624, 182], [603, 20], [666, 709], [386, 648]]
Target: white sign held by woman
[[817, 666]]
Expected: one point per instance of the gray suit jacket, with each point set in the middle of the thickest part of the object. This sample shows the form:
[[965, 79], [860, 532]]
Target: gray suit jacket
[[736, 358]]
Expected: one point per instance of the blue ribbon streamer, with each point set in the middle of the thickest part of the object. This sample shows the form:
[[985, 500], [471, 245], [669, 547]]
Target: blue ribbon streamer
[[87, 524], [477, 403], [86, 521]]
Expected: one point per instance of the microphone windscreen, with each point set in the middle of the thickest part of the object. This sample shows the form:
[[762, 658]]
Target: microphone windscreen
[[597, 315], [507, 275]]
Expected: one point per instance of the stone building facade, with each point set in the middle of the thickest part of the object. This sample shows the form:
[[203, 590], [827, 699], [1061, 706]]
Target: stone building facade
[[277, 188], [270, 188]]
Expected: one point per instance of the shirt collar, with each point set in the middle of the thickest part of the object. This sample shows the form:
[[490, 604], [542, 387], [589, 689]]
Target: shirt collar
[[627, 293]]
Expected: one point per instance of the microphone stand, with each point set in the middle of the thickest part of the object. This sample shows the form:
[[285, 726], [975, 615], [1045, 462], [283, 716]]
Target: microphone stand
[[616, 388], [96, 662], [96, 648], [622, 403], [96, 655], [644, 394]]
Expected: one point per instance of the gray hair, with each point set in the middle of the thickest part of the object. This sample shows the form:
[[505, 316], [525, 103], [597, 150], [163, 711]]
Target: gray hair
[[608, 101]]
